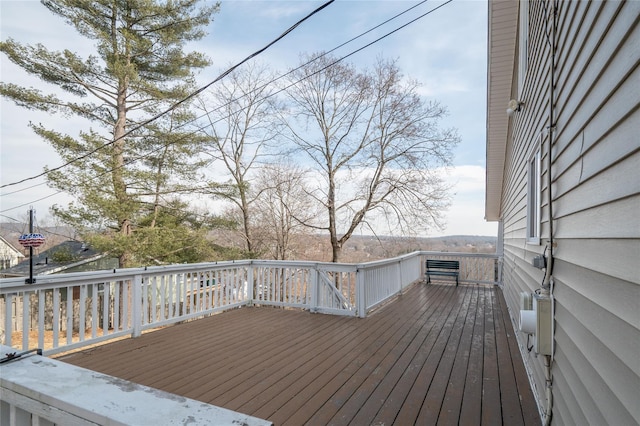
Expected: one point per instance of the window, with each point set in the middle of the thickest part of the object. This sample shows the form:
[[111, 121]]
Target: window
[[523, 44], [533, 199]]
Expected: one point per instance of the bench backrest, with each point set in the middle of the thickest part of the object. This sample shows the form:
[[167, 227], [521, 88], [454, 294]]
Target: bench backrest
[[443, 264]]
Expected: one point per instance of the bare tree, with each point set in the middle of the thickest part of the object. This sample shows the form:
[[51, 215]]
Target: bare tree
[[375, 143], [241, 124], [282, 192]]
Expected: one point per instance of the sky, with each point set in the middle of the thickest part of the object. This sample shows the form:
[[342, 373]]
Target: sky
[[445, 51]]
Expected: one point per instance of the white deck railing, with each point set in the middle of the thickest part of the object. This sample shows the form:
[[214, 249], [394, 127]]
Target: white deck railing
[[69, 311]]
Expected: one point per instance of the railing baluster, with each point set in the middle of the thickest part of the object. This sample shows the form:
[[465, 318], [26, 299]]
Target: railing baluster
[[172, 280], [94, 310], [161, 302], [153, 303], [56, 317], [106, 294], [146, 288], [116, 305], [8, 318], [212, 288], [180, 278], [82, 319], [136, 315], [26, 319], [126, 298], [41, 318], [69, 314]]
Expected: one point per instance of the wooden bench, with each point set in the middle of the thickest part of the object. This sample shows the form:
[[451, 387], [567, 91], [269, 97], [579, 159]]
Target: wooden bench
[[449, 268]]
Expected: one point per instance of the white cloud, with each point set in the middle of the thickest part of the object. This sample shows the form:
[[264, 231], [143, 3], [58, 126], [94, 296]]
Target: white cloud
[[466, 214], [468, 178]]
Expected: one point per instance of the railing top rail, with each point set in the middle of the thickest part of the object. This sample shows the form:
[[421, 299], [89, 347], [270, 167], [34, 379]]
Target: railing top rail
[[458, 254], [76, 278], [392, 260], [377, 263]]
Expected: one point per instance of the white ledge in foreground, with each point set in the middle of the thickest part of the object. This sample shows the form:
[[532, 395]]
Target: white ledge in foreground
[[58, 391]]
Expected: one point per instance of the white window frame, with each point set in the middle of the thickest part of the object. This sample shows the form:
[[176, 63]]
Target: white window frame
[[523, 44], [534, 197]]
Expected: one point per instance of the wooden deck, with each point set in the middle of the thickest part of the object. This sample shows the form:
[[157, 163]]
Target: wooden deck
[[439, 354]]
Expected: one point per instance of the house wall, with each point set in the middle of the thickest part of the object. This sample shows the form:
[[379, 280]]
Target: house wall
[[9, 256], [595, 187]]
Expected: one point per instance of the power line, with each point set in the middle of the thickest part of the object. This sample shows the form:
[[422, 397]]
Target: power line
[[180, 102], [24, 189], [11, 218], [222, 106], [31, 202], [240, 97], [261, 87], [48, 231]]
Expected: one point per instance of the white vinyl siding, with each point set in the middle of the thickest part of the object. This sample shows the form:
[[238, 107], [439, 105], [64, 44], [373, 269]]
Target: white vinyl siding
[[595, 173]]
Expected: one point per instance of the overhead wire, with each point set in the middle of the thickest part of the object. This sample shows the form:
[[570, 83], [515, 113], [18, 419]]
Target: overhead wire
[[208, 113], [315, 58], [181, 101], [270, 95], [48, 231], [225, 73]]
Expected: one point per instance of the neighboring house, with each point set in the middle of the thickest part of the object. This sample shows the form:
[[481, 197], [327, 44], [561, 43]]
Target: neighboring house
[[563, 180], [69, 256], [9, 255]]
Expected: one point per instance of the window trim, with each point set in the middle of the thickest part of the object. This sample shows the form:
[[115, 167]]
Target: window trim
[[534, 197]]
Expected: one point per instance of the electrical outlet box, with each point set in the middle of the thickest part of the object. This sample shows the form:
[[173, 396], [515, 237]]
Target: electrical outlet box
[[543, 341], [539, 262]]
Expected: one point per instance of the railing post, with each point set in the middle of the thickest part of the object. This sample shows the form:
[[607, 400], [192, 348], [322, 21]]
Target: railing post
[[136, 306], [249, 284], [313, 303], [361, 299]]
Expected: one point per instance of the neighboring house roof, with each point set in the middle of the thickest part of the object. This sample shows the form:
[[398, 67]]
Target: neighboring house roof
[[501, 47], [45, 263]]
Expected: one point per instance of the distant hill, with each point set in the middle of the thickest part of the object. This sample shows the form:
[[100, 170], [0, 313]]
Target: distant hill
[[359, 248], [373, 248]]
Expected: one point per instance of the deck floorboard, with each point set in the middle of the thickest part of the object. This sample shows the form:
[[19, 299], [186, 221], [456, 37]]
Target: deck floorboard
[[438, 354]]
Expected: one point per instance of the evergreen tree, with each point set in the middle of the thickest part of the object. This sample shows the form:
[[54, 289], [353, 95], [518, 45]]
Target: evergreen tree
[[122, 166]]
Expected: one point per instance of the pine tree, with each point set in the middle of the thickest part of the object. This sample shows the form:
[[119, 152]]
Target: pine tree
[[121, 167]]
